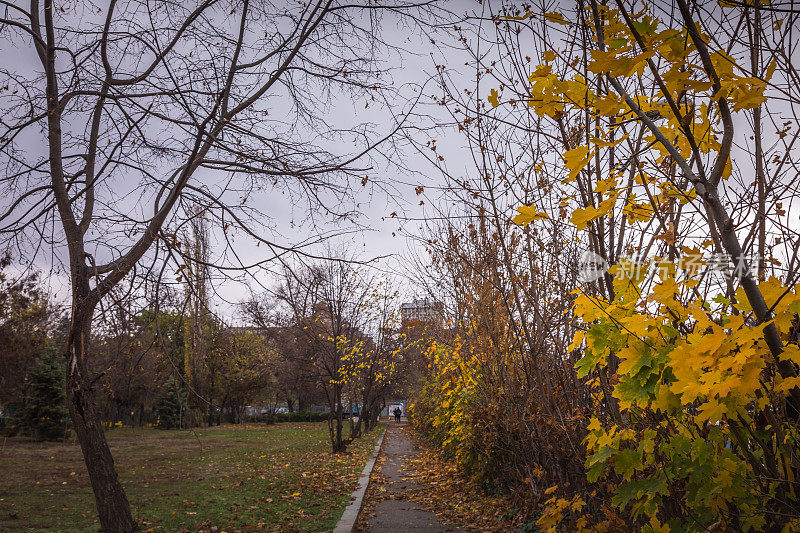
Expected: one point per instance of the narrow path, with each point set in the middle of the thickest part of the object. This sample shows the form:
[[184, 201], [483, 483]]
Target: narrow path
[[394, 513]]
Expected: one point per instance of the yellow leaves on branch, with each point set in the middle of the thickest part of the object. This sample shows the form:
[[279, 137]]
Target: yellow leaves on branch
[[525, 16], [638, 212], [612, 63], [607, 144], [556, 17], [546, 92], [680, 69], [555, 511], [717, 368], [603, 186], [552, 16], [785, 385], [678, 79], [747, 94], [542, 71], [607, 105]]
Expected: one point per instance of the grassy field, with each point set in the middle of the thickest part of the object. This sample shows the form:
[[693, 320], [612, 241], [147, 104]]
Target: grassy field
[[249, 478]]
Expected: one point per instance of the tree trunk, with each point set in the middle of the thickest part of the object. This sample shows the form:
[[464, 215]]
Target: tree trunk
[[339, 445], [112, 503], [366, 418], [376, 413], [211, 403]]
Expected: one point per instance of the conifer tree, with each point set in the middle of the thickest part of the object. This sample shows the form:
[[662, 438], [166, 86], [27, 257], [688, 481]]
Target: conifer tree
[[44, 415], [170, 407]]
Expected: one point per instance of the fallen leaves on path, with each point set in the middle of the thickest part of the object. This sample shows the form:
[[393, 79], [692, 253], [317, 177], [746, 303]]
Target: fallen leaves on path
[[454, 498], [436, 485]]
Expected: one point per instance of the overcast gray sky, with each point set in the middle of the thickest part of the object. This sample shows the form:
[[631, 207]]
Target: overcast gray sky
[[388, 206]]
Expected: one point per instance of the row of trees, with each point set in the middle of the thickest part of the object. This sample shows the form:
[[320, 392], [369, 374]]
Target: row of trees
[[329, 336], [656, 390]]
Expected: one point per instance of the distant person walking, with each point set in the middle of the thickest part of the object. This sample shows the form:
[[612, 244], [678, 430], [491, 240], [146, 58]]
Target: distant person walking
[[397, 413]]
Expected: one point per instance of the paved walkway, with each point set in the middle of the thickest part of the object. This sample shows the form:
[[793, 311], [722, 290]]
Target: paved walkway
[[394, 513]]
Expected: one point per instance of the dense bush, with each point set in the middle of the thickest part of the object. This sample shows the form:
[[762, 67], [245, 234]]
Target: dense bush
[[473, 407]]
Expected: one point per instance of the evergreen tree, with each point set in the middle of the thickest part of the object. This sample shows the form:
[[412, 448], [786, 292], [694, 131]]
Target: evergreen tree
[[44, 414], [170, 407]]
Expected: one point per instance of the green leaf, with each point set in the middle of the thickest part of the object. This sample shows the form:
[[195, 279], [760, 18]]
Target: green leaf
[[626, 462]]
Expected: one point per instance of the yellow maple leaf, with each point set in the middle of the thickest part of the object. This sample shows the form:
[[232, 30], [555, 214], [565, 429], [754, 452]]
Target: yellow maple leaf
[[773, 289], [606, 144], [582, 217], [712, 411], [603, 186], [540, 72], [618, 65], [770, 70], [787, 384], [576, 159], [549, 55], [792, 353], [602, 60], [637, 212], [748, 96], [666, 400], [518, 17], [527, 214]]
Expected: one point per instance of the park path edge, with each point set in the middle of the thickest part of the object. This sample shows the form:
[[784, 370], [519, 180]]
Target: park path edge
[[347, 522]]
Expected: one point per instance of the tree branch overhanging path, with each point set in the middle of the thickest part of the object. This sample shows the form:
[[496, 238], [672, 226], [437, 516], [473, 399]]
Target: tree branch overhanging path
[[144, 108]]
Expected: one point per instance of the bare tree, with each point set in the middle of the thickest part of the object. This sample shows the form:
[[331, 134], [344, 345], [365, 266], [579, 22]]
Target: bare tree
[[327, 302], [147, 108], [295, 366]]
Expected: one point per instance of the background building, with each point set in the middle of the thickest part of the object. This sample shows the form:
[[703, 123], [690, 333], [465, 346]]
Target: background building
[[422, 309]]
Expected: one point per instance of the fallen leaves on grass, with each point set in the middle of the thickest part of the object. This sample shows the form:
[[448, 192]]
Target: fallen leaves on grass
[[228, 478]]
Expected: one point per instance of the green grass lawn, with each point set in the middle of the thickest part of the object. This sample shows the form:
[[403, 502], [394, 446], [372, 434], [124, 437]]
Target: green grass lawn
[[237, 478]]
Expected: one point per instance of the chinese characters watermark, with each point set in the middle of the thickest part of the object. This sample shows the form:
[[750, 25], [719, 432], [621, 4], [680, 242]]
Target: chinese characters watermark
[[592, 266]]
